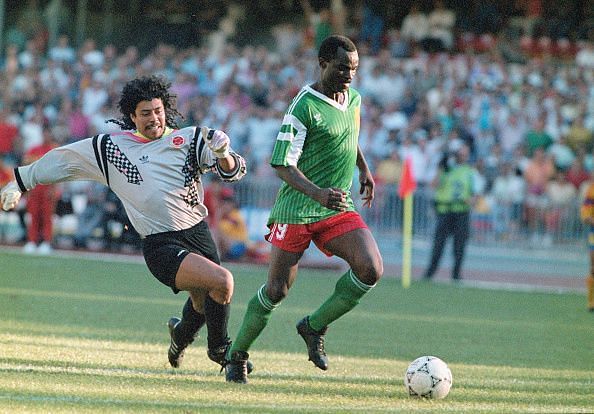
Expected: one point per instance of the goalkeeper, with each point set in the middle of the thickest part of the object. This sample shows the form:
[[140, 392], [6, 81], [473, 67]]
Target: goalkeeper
[[155, 169], [315, 154]]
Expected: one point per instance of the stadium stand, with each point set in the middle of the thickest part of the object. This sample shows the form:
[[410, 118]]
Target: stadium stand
[[487, 88]]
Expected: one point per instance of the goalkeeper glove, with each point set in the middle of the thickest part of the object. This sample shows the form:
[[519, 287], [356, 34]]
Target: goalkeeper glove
[[218, 142], [10, 196]]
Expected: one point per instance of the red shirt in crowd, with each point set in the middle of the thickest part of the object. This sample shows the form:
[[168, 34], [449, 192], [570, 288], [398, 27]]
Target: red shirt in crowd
[[5, 176], [37, 152], [8, 134]]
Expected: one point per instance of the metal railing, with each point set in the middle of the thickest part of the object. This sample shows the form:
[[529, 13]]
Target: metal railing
[[491, 224], [497, 226]]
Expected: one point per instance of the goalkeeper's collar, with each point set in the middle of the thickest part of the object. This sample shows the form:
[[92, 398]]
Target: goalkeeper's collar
[[140, 135]]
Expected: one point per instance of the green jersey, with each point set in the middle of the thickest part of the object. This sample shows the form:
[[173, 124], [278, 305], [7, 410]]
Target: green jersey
[[456, 188], [319, 136]]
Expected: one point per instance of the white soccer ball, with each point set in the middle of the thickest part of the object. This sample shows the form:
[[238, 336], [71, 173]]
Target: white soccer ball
[[428, 377]]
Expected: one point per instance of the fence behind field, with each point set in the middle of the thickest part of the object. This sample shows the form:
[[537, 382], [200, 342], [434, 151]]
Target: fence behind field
[[493, 225]]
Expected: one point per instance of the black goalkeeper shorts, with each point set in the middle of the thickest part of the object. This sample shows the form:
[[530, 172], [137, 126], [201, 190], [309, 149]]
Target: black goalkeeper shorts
[[164, 252]]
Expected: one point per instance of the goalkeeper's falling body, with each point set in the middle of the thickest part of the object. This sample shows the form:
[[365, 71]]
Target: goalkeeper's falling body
[[155, 169], [315, 154]]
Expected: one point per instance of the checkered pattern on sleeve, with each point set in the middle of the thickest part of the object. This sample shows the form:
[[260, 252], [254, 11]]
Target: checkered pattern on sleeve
[[191, 174], [119, 160]]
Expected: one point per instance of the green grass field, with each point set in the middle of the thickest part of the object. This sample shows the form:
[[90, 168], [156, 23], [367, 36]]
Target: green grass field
[[88, 336]]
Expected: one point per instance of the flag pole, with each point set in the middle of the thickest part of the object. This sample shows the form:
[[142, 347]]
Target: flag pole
[[405, 191]]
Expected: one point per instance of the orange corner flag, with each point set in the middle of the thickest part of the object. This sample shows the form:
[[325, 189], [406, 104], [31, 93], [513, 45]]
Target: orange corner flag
[[407, 180]]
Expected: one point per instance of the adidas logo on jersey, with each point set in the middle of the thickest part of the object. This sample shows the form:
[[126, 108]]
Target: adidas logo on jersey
[[144, 159]]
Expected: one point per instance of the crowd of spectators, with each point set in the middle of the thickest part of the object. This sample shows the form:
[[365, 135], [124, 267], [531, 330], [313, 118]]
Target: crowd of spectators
[[529, 122]]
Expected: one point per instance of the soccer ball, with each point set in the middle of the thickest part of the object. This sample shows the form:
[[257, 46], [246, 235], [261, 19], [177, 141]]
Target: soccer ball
[[428, 377]]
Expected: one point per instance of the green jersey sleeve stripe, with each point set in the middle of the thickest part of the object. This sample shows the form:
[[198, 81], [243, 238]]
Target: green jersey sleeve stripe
[[290, 119], [297, 147], [285, 136], [293, 133], [290, 127]]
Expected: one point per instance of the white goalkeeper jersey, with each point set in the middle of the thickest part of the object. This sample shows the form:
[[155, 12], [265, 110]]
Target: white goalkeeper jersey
[[158, 181]]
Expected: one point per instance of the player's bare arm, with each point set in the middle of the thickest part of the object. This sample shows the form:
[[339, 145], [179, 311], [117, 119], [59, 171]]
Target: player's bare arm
[[332, 198], [227, 164], [365, 179]]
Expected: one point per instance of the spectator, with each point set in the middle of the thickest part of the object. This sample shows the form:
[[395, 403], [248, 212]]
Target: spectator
[[8, 136], [507, 194], [585, 56], [93, 98], [389, 170], [41, 203], [62, 52], [16, 35], [538, 172], [415, 26], [90, 55], [31, 130], [78, 123], [533, 13], [231, 231], [399, 47], [562, 154], [441, 26], [415, 149], [319, 24], [30, 58], [287, 39], [537, 138], [54, 78], [372, 26], [576, 174], [4, 171], [580, 138], [10, 65], [560, 194]]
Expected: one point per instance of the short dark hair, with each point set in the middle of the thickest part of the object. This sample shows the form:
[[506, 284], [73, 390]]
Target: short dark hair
[[141, 89], [331, 44]]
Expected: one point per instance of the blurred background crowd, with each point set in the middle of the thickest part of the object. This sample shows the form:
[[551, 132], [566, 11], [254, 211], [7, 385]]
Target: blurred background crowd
[[513, 80]]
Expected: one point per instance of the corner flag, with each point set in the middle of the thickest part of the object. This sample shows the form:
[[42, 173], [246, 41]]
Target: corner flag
[[405, 191], [407, 181]]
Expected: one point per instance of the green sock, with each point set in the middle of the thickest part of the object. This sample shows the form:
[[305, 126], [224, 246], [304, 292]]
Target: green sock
[[255, 320], [346, 296]]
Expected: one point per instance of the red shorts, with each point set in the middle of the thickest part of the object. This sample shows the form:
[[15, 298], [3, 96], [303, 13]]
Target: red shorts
[[295, 238]]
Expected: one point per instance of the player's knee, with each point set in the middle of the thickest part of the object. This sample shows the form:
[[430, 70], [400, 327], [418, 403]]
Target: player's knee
[[228, 283], [277, 292], [223, 289], [369, 270]]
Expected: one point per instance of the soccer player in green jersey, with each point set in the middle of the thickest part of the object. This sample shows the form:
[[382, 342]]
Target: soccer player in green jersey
[[315, 155]]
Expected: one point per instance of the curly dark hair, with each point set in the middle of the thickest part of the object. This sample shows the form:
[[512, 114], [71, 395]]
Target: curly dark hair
[[146, 88]]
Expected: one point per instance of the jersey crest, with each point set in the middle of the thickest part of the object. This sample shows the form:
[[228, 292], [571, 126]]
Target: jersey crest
[[177, 141]]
